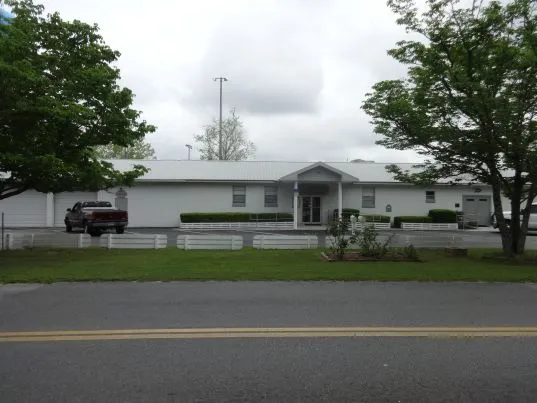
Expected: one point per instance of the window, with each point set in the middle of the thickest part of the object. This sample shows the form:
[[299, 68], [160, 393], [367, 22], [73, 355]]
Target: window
[[239, 196], [271, 196], [368, 197], [430, 196]]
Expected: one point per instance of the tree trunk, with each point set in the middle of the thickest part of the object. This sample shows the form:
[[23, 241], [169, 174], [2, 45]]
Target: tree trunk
[[507, 244], [518, 237]]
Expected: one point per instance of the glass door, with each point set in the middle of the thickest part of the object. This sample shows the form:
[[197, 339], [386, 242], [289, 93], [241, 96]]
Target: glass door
[[311, 209]]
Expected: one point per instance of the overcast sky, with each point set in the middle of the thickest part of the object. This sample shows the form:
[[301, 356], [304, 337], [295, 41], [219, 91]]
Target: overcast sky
[[298, 70]]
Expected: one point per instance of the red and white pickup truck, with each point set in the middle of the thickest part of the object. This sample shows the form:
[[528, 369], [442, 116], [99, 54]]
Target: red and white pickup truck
[[95, 216]]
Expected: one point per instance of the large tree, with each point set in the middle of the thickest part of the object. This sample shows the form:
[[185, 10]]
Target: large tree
[[469, 103], [235, 143], [59, 100], [139, 150]]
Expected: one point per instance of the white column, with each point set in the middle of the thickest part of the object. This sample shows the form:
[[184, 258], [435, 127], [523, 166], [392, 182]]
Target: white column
[[295, 205], [50, 210], [340, 200]]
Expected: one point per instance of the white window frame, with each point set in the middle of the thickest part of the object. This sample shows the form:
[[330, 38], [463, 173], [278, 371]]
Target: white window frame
[[428, 198], [238, 191], [271, 191], [368, 197]]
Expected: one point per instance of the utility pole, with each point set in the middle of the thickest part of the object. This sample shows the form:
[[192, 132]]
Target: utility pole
[[189, 148], [221, 79]]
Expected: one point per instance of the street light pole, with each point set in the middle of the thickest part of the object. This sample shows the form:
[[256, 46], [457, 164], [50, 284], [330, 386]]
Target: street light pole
[[221, 79], [189, 148]]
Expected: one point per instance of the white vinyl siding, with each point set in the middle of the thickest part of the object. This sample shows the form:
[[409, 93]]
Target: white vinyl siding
[[239, 196], [271, 196], [368, 197], [430, 196]]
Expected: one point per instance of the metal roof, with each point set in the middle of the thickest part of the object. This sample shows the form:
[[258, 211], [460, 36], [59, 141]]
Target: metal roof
[[267, 171]]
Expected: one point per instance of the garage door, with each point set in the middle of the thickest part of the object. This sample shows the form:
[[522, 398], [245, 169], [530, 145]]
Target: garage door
[[63, 201], [477, 208], [29, 209]]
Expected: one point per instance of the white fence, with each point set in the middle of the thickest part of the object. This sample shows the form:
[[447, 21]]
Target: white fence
[[20, 241], [423, 226], [285, 242], [13, 241], [226, 242], [133, 241], [267, 225], [376, 225], [57, 241]]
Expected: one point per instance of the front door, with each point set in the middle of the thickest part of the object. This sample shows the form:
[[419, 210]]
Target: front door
[[311, 209]]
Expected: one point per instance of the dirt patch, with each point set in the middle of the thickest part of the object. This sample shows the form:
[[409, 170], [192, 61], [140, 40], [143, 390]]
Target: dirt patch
[[358, 257]]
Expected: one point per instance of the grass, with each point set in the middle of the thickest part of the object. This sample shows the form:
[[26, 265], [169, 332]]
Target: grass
[[47, 266]]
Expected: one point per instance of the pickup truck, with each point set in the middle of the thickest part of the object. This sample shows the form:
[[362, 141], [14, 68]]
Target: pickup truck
[[532, 224], [95, 216]]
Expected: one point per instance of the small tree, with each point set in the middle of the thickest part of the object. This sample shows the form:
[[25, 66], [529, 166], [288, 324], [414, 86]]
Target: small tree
[[235, 143], [139, 150], [469, 102], [60, 98]]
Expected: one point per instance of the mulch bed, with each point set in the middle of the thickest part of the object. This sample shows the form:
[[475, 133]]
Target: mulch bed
[[357, 257]]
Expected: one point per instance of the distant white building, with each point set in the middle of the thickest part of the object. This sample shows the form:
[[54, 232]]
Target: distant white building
[[311, 191]]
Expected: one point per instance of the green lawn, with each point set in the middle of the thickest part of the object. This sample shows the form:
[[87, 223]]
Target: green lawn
[[248, 264]]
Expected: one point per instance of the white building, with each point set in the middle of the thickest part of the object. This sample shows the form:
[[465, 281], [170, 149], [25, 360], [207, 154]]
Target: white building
[[174, 187]]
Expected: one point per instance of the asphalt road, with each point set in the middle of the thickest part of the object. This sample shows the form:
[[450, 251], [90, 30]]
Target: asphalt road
[[267, 367]]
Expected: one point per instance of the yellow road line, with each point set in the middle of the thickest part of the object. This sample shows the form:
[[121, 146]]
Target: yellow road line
[[271, 332]]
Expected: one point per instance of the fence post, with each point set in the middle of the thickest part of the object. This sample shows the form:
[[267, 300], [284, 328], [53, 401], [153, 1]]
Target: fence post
[[32, 240], [155, 243], [186, 242], [2, 235], [109, 245], [9, 241]]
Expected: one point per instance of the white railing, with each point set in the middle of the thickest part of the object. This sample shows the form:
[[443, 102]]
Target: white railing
[[226, 242], [424, 226], [57, 240], [285, 242], [44, 240], [238, 225], [133, 241]]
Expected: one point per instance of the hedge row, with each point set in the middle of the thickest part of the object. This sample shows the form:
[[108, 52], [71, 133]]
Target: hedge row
[[377, 218], [443, 215], [234, 217], [346, 213], [409, 218]]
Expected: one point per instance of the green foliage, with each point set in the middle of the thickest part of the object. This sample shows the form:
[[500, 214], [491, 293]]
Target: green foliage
[[235, 143], [410, 252], [139, 150], [469, 102], [60, 99], [369, 244], [234, 217], [345, 213], [443, 215], [409, 218], [377, 218], [339, 240]]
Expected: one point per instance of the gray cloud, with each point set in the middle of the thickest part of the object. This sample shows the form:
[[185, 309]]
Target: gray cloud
[[298, 69]]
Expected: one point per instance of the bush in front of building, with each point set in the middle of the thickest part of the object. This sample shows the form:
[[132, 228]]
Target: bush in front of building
[[234, 217], [443, 216], [410, 218], [377, 218], [346, 213]]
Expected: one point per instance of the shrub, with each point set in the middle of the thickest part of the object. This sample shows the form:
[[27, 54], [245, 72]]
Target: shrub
[[369, 244], [234, 217], [443, 215], [418, 218], [339, 243], [346, 213], [376, 218]]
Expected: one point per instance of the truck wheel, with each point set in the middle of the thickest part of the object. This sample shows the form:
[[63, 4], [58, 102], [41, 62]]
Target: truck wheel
[[68, 227], [120, 230]]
